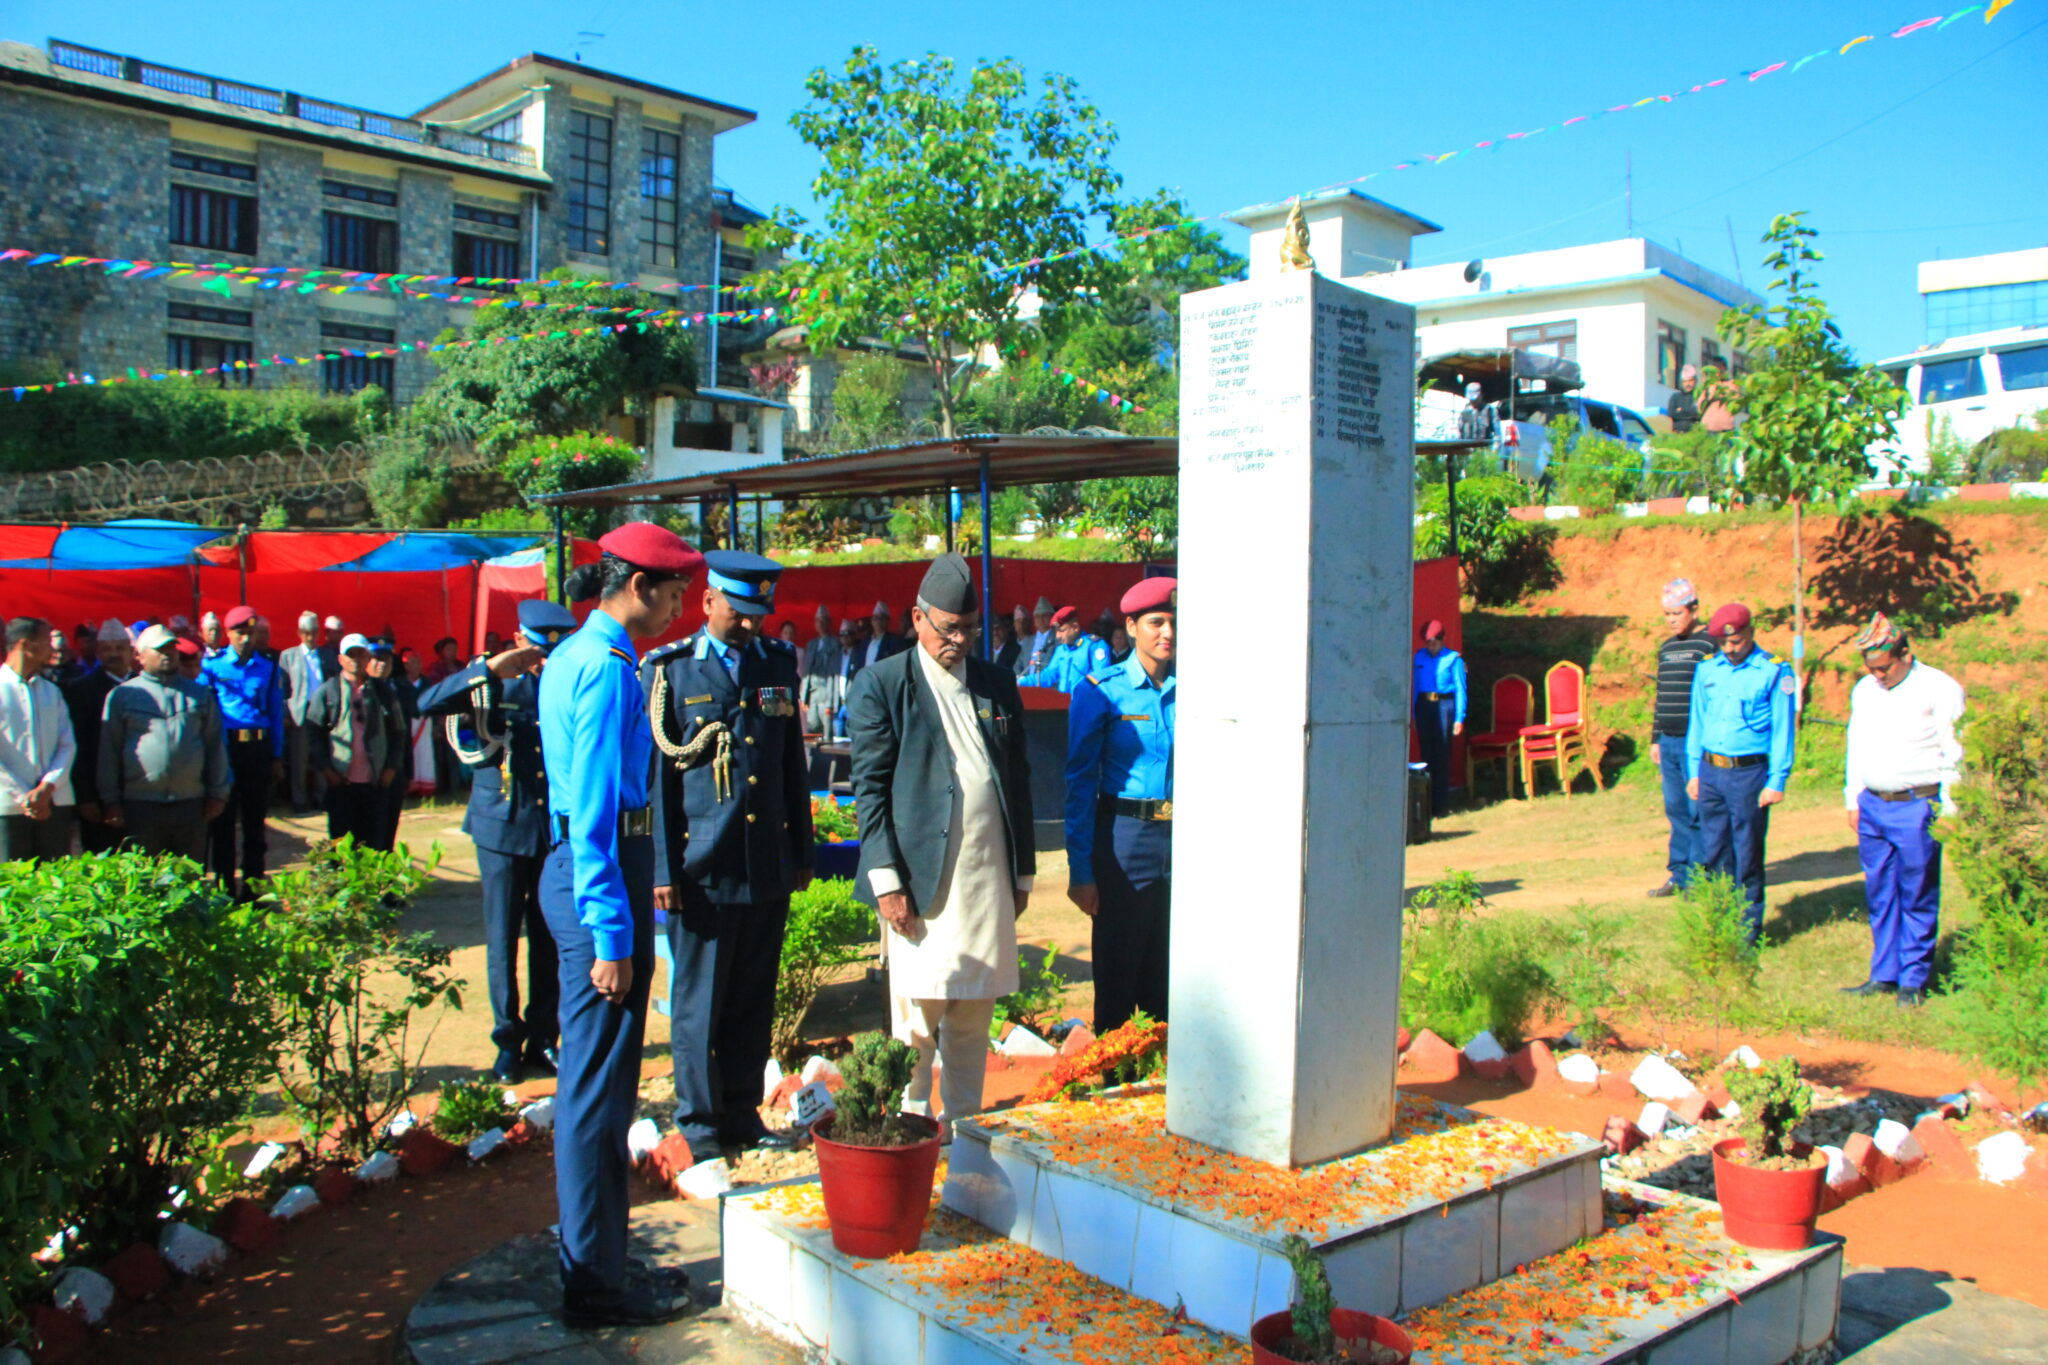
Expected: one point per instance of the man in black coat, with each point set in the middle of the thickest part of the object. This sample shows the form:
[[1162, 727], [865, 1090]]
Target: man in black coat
[[732, 841], [86, 698], [943, 787]]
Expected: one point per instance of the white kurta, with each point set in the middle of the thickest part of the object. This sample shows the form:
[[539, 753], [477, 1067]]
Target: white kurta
[[964, 945]]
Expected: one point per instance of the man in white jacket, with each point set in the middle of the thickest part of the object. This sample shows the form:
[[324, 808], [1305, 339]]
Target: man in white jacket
[[36, 749]]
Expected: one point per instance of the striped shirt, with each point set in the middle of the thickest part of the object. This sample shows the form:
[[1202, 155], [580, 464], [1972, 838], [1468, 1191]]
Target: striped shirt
[[1677, 659]]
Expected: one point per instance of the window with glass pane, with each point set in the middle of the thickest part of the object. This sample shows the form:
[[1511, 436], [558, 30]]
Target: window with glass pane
[[216, 221], [1560, 339], [209, 353], [353, 243], [1710, 354], [347, 373], [660, 157], [590, 183], [486, 258], [1945, 381], [1670, 353], [2027, 369]]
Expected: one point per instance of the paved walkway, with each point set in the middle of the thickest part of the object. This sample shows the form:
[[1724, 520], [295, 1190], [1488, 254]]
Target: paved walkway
[[1922, 1317]]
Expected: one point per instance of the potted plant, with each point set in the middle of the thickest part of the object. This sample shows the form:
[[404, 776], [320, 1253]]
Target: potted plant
[[1316, 1332], [875, 1163], [1768, 1185]]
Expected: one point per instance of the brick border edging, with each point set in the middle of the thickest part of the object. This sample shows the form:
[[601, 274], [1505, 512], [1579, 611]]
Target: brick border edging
[[1700, 506]]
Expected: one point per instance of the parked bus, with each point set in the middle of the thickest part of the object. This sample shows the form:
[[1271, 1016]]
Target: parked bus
[[1971, 385]]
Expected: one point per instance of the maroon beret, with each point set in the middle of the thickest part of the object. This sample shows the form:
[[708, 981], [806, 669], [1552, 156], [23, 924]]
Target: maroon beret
[[1729, 619], [185, 645], [1064, 615], [240, 616], [653, 548], [1150, 594], [1433, 630]]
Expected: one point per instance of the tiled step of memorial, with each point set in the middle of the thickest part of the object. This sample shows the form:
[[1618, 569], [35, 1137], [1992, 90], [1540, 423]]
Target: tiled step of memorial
[[1656, 1285]]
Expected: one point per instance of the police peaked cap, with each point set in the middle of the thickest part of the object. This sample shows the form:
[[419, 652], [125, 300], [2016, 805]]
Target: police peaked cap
[[746, 580], [545, 623]]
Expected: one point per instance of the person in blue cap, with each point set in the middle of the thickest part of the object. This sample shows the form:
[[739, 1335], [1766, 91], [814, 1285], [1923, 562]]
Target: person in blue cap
[[1075, 656], [1439, 683], [490, 713], [1120, 809], [732, 841], [597, 895], [1738, 752]]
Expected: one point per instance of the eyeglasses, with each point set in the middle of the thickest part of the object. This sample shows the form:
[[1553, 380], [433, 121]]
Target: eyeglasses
[[958, 632]]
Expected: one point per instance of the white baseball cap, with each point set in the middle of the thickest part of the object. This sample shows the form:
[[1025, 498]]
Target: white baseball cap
[[334, 623], [352, 642]]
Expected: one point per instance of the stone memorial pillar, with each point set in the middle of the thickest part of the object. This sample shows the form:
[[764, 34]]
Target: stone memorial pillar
[[1296, 572]]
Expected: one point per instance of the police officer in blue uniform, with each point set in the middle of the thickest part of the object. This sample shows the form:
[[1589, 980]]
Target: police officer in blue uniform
[[597, 894], [491, 714], [251, 692], [732, 841], [1738, 752], [1076, 656], [1439, 683], [1120, 809]]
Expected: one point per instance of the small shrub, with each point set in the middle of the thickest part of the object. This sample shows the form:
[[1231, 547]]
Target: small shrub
[[1773, 1101], [1313, 1339], [470, 1109], [1503, 559], [1711, 948], [562, 464], [827, 930], [408, 481], [1035, 1004], [1583, 966], [877, 1072], [1461, 974]]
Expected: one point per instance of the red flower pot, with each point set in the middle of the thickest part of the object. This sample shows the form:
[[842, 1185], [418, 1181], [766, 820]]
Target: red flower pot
[[1768, 1210], [876, 1198], [1350, 1326]]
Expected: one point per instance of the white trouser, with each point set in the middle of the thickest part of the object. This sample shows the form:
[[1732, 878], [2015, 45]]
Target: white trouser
[[956, 1032]]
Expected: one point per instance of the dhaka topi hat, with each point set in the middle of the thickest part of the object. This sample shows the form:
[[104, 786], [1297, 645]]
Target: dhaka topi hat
[[744, 579], [1044, 607], [1879, 634], [1679, 593], [655, 549], [949, 586], [545, 623], [112, 631], [1150, 594], [239, 616], [1728, 620]]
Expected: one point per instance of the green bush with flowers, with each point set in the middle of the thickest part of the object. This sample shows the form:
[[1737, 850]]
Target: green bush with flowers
[[564, 464]]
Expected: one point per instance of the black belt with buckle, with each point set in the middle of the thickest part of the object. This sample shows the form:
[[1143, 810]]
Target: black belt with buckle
[[1736, 760], [1140, 809], [1435, 696], [632, 824], [1926, 793], [245, 736]]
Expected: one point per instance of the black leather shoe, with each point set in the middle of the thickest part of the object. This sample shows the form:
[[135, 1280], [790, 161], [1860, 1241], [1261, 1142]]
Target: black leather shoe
[[641, 1302], [765, 1139], [1912, 997], [1668, 889], [540, 1062], [506, 1070], [1871, 988]]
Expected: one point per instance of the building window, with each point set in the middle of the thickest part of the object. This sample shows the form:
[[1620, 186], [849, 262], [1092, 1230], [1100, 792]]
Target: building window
[[511, 128], [660, 161], [1710, 354], [200, 312], [590, 183], [362, 194], [470, 213], [1560, 339], [207, 353], [216, 221], [1670, 353], [347, 373], [213, 165], [1986, 308], [486, 258], [354, 243]]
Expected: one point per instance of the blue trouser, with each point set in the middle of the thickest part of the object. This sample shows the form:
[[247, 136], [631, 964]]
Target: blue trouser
[[598, 1085], [721, 1011], [1732, 830], [511, 886], [1681, 810], [1433, 721], [1132, 929], [1902, 881]]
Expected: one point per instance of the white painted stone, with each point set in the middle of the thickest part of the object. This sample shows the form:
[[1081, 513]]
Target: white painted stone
[[1656, 1079], [540, 1114], [2003, 1159], [511, 1099], [771, 1076], [1484, 1047], [2028, 490], [85, 1291], [295, 1202], [1699, 505], [1841, 1171], [380, 1167], [1896, 1141], [1746, 1056], [817, 1068], [262, 1159], [485, 1143], [189, 1251], [1559, 513], [1022, 1042], [642, 1138], [401, 1123], [1579, 1069], [1635, 509], [706, 1179], [1297, 418], [1656, 1116]]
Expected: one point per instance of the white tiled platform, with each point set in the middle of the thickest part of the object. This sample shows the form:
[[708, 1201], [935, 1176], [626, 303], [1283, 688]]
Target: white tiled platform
[[1229, 1272], [783, 1276]]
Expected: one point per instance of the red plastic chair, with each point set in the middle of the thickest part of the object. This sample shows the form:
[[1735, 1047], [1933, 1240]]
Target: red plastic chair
[[1512, 697], [1560, 739]]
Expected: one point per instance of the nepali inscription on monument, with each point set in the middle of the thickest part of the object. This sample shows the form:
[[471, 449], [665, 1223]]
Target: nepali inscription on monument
[[1296, 504]]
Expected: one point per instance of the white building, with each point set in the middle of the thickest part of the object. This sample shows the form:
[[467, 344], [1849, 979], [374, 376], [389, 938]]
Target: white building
[[1630, 312], [1985, 293]]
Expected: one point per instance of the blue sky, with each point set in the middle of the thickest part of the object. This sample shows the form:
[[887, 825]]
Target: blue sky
[[1239, 103]]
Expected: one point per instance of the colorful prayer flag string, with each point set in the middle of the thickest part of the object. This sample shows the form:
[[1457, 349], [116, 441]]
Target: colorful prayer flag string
[[1102, 395]]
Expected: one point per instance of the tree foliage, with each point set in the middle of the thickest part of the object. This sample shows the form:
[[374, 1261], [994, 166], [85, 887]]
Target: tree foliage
[[178, 419], [564, 464], [1501, 558]]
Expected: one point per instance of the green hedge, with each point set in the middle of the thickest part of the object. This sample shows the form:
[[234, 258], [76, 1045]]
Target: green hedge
[[176, 419]]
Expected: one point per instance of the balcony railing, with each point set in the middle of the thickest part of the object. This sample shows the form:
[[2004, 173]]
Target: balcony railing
[[286, 103]]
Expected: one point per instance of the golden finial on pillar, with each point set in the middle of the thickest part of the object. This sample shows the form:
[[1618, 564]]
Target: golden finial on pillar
[[1294, 242]]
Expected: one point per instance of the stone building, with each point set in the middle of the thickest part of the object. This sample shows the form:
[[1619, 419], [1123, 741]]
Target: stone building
[[540, 164]]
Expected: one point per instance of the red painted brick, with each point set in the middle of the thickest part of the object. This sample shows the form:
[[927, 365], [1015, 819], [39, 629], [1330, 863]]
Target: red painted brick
[[1984, 492], [1984, 1097], [1401, 1040], [1498, 1069], [1615, 1086], [784, 1088], [1533, 1063], [247, 1226], [1078, 1040], [335, 1185], [1717, 1093], [1695, 1109], [1621, 1135], [423, 1153], [138, 1272], [1667, 507], [1429, 1059], [670, 1158], [1877, 1168], [62, 1334], [1945, 1149]]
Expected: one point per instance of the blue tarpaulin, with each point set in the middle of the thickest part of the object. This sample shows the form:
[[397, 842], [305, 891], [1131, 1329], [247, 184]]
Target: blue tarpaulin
[[142, 543], [426, 551]]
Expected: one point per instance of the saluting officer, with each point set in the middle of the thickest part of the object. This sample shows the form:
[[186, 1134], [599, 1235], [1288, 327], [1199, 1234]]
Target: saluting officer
[[497, 700], [1738, 752], [732, 840], [597, 893], [1076, 656], [1120, 809]]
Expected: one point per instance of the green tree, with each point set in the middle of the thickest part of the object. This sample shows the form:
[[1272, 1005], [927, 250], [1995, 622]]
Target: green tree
[[926, 184], [1809, 412], [867, 403], [1501, 558], [560, 383]]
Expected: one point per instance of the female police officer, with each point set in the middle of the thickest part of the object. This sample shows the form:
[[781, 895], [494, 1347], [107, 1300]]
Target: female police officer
[[596, 891]]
